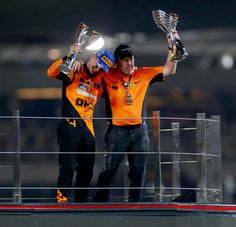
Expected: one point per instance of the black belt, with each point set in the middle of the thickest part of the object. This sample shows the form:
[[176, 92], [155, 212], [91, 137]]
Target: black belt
[[129, 126]]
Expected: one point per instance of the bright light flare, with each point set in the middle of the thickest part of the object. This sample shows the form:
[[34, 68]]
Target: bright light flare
[[98, 44]]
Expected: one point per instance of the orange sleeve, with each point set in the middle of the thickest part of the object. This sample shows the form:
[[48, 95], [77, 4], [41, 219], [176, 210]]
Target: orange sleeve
[[53, 70], [151, 72]]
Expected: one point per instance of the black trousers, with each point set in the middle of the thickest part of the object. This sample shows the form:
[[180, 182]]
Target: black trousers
[[124, 139], [75, 137]]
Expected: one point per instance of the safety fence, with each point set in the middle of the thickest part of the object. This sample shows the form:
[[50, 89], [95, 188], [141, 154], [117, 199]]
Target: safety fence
[[184, 163]]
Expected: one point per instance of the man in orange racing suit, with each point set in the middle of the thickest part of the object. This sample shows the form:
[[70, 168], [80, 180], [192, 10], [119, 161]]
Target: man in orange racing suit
[[127, 133], [75, 133]]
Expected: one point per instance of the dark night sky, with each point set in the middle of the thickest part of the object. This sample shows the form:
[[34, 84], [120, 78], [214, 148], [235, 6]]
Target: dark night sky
[[20, 20]]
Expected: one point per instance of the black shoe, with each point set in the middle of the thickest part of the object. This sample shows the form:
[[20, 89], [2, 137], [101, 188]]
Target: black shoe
[[186, 197]]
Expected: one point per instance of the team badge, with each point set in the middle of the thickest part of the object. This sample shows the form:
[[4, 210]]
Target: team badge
[[83, 87]]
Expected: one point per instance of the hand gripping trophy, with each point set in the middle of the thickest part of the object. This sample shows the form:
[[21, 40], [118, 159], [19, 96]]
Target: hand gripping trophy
[[84, 37], [167, 22]]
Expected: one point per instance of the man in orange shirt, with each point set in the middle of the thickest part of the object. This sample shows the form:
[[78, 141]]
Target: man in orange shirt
[[126, 88], [75, 133]]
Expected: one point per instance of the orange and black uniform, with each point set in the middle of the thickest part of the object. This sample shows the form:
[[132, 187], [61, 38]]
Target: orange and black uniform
[[127, 131], [75, 131]]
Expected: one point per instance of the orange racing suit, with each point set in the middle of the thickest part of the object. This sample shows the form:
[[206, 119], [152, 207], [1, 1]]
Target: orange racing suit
[[75, 131]]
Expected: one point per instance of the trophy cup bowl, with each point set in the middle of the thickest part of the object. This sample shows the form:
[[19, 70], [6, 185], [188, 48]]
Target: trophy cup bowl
[[167, 22], [84, 37]]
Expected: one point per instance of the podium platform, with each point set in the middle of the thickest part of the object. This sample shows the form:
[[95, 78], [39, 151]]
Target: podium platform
[[118, 215]]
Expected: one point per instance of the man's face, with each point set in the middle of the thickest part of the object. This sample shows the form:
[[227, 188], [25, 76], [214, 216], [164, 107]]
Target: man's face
[[126, 65], [92, 65]]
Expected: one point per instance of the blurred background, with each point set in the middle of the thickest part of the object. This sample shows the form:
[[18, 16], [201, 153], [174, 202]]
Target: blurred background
[[34, 34]]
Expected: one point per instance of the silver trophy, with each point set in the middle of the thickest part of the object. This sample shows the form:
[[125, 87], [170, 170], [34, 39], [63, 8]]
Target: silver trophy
[[167, 22], [84, 37]]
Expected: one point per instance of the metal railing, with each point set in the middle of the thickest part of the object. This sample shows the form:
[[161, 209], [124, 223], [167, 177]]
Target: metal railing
[[206, 158], [170, 160]]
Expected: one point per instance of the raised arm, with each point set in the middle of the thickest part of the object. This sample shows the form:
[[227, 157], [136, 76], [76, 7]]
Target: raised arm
[[54, 71]]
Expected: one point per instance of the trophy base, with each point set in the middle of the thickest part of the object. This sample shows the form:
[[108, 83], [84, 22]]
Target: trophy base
[[64, 69]]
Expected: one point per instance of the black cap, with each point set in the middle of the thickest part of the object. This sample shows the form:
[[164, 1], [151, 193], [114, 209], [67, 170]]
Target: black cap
[[123, 51]]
